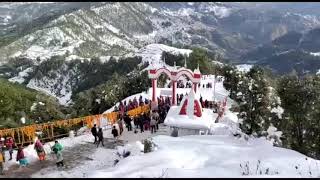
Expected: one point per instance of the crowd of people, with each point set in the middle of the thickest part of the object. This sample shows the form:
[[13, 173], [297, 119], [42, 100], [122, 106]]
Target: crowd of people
[[209, 104], [98, 135], [188, 84], [132, 104], [180, 84], [148, 121], [8, 145]]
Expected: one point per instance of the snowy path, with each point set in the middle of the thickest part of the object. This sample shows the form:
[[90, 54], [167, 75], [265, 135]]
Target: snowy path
[[129, 137], [73, 155], [79, 155]]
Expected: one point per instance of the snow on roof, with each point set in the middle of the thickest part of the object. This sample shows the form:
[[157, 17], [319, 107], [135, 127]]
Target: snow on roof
[[184, 121]]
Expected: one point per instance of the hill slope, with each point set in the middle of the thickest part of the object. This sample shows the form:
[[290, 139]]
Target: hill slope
[[116, 28], [293, 51], [222, 154]]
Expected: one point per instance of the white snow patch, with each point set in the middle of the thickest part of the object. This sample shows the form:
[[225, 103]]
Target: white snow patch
[[217, 62], [209, 156], [185, 12], [74, 57], [244, 67], [153, 9], [7, 18], [23, 120], [31, 38], [219, 11], [152, 53], [146, 37], [105, 59], [272, 131], [278, 110], [20, 78], [18, 53], [33, 107], [315, 54], [112, 28], [62, 90]]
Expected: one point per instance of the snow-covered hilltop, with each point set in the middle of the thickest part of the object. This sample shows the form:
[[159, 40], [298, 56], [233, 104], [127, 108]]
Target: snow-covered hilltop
[[227, 152], [211, 157]]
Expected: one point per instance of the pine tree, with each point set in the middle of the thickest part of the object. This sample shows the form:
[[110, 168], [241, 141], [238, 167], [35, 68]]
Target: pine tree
[[232, 79], [300, 99], [199, 57], [254, 101]]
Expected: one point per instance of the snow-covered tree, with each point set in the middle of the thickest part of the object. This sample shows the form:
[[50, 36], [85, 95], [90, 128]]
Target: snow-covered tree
[[232, 78], [253, 93], [300, 98]]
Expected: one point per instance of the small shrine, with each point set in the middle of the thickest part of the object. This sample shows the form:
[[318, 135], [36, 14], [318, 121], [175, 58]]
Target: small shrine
[[189, 118], [194, 107]]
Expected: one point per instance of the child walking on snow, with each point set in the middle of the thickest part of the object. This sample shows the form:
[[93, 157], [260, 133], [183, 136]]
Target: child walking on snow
[[21, 158], [57, 148]]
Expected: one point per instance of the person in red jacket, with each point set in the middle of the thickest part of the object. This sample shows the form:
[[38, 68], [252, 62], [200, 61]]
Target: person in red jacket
[[40, 150], [9, 145], [20, 157]]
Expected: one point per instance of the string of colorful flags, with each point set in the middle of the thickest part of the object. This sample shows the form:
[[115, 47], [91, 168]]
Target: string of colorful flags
[[30, 130]]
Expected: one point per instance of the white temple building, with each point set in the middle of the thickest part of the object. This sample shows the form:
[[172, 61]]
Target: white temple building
[[189, 117]]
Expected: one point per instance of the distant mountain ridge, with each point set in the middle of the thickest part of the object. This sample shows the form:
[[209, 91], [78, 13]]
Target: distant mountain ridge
[[117, 28], [70, 34], [293, 51]]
